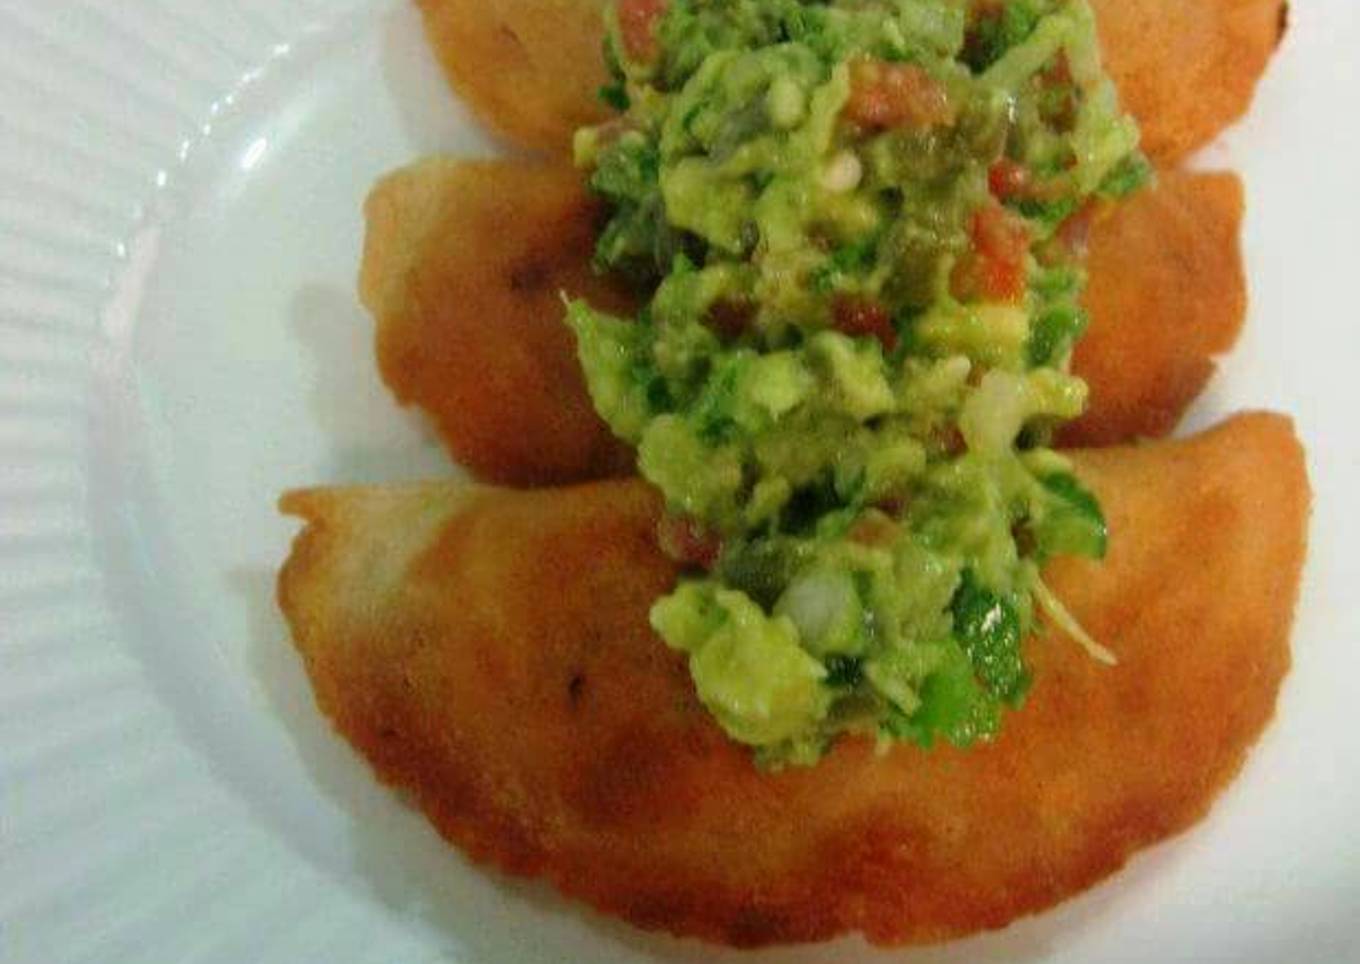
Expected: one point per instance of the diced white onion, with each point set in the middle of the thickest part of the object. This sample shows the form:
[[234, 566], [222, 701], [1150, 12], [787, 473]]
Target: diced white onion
[[818, 604], [843, 174], [786, 103]]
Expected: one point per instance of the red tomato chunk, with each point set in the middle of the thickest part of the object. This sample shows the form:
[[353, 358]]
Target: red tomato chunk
[[1008, 179], [688, 542], [858, 315], [995, 269], [884, 96], [637, 24]]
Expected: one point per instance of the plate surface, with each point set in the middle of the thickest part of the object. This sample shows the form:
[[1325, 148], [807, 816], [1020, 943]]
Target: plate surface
[[180, 190]]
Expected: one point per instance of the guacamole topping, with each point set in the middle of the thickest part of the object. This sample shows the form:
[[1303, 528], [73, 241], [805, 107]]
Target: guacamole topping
[[859, 224]]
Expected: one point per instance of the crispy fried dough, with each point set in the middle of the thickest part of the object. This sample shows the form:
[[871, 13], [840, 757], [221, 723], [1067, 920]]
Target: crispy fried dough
[[489, 651], [1186, 69], [464, 267], [1167, 293], [464, 261], [531, 69]]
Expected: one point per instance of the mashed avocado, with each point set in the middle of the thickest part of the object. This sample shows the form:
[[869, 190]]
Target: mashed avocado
[[859, 224]]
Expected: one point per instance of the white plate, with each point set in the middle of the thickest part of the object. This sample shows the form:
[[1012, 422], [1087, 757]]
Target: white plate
[[180, 183]]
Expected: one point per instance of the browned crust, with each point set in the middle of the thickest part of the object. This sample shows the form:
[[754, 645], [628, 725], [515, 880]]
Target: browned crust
[[507, 677], [465, 267], [1186, 69], [464, 263], [1167, 294], [531, 69]]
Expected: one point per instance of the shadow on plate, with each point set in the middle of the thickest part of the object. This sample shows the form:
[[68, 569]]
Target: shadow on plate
[[370, 437]]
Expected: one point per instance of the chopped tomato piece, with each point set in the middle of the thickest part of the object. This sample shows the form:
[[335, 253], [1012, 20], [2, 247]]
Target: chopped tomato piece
[[1058, 73], [1058, 105], [637, 24], [995, 269], [1000, 235], [729, 318], [858, 315], [983, 29], [979, 278], [949, 440], [884, 95], [688, 542], [1009, 179], [874, 528]]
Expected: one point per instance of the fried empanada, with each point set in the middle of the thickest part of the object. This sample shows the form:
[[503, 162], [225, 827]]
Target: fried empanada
[[1167, 294], [489, 651], [464, 262], [531, 69], [465, 265], [1186, 69]]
